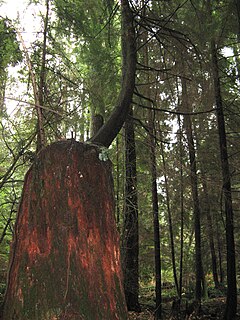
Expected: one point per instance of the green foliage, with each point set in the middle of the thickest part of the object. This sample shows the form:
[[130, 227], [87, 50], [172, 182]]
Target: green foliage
[[217, 292], [97, 49], [83, 77], [10, 53]]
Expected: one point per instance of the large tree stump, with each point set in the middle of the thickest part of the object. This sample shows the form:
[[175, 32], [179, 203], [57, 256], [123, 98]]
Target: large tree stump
[[65, 259]]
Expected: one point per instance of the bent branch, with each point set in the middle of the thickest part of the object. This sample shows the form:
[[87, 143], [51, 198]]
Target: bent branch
[[111, 128]]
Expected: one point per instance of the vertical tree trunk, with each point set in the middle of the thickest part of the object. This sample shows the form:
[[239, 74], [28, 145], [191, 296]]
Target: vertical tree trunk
[[219, 250], [210, 231], [154, 193], [155, 209], [238, 15], [194, 187], [231, 305], [169, 218], [42, 83], [130, 226], [65, 258], [182, 208]]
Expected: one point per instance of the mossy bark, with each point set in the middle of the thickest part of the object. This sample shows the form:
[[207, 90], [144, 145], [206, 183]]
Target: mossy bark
[[65, 260]]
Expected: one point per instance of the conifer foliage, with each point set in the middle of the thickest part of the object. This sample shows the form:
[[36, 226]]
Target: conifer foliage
[[168, 73]]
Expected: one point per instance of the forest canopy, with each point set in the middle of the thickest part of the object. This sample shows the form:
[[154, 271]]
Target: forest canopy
[[175, 162]]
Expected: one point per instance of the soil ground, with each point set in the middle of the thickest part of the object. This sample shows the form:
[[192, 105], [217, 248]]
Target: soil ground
[[211, 309]]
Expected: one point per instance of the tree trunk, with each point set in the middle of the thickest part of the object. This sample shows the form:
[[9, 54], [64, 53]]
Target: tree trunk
[[65, 258], [155, 209], [210, 230], [195, 197], [237, 2], [220, 259], [170, 225], [113, 125], [231, 305], [42, 83], [181, 210], [154, 193], [65, 261], [130, 227]]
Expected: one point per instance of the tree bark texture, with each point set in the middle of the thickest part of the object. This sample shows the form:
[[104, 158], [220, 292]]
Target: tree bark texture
[[130, 227], [65, 257], [231, 305]]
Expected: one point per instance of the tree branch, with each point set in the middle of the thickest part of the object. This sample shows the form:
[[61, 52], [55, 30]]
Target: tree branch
[[166, 110], [41, 136], [111, 128]]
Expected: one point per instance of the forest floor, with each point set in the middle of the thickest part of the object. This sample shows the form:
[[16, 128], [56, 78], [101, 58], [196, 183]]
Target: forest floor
[[211, 309]]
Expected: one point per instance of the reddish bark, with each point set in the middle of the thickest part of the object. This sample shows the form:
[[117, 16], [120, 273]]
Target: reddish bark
[[65, 260]]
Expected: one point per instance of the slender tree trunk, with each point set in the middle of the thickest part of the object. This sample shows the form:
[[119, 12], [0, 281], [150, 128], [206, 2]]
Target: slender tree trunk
[[42, 83], [210, 230], [154, 193], [196, 205], [231, 305], [182, 208], [155, 209], [169, 219], [219, 248], [130, 226], [2, 93], [237, 2]]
